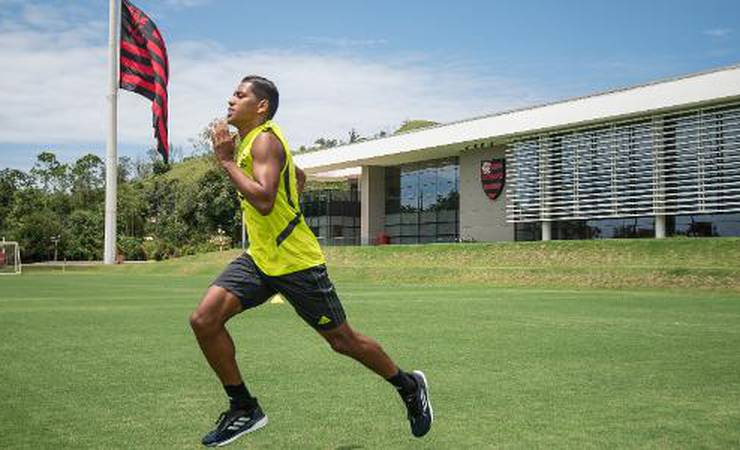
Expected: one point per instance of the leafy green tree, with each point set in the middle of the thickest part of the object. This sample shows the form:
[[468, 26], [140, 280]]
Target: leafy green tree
[[326, 143], [54, 180], [26, 202], [88, 182], [83, 235], [12, 182], [52, 174], [131, 209], [35, 233], [218, 206], [163, 223]]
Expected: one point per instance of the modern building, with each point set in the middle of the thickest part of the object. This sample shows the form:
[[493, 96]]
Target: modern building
[[659, 159]]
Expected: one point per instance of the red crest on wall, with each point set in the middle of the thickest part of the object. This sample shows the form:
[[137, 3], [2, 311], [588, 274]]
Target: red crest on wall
[[492, 177]]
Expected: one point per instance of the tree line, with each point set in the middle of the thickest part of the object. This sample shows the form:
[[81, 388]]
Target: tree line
[[58, 210]]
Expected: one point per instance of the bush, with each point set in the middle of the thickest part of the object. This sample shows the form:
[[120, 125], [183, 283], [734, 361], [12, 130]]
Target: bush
[[131, 248], [158, 249]]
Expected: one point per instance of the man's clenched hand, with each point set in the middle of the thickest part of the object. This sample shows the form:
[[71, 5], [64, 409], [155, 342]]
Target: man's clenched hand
[[223, 142]]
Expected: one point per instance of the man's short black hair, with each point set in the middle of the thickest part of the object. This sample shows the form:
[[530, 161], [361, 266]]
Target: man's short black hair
[[264, 89]]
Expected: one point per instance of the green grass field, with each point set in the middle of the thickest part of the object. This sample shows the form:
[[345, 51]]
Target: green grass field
[[104, 358]]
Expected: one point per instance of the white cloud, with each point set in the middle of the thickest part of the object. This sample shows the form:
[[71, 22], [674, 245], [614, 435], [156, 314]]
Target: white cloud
[[54, 86], [718, 33], [326, 95]]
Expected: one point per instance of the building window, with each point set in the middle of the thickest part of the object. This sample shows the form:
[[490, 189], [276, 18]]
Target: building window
[[698, 225], [422, 202], [704, 225], [527, 231], [333, 216], [619, 228]]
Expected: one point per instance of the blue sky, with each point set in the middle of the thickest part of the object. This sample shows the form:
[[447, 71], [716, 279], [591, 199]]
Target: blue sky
[[340, 64]]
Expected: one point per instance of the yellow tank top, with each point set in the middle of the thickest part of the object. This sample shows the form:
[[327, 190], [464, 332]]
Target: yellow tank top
[[280, 242]]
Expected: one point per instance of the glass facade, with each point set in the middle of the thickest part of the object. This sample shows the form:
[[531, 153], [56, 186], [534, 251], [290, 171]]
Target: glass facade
[[698, 225], [422, 202], [334, 216], [670, 164], [527, 231], [704, 225], [684, 166], [619, 228]]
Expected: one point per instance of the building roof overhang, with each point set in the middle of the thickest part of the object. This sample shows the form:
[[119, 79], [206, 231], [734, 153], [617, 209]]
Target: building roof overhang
[[451, 139]]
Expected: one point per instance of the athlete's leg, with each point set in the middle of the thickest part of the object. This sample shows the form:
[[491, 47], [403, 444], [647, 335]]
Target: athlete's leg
[[244, 415], [315, 299], [411, 386], [346, 341], [207, 321], [239, 287]]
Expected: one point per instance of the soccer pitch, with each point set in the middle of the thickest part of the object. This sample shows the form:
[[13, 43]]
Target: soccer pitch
[[106, 359]]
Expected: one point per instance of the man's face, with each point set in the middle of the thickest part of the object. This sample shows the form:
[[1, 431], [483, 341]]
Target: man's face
[[244, 106]]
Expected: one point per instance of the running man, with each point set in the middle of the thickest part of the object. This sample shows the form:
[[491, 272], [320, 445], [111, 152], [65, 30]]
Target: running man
[[283, 257]]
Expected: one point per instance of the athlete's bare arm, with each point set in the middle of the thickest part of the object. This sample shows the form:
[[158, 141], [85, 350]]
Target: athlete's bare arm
[[300, 179], [268, 158]]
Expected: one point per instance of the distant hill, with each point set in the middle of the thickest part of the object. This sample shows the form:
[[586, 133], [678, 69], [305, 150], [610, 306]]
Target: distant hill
[[414, 124], [191, 169]]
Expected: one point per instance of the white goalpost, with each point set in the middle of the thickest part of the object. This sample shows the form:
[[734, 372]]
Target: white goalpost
[[10, 258]]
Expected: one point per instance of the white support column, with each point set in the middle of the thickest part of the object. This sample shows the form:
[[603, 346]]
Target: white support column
[[543, 164], [660, 227], [546, 231], [659, 183], [372, 203]]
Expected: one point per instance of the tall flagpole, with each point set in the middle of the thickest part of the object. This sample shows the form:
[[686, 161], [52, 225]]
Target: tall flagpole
[[111, 155]]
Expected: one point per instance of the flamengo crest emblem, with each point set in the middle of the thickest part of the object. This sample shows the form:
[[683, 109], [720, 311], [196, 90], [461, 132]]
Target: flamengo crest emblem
[[492, 177]]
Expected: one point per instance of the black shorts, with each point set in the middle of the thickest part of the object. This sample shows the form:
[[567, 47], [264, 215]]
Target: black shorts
[[309, 291]]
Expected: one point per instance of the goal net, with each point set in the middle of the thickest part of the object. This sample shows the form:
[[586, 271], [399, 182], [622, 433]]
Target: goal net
[[10, 258]]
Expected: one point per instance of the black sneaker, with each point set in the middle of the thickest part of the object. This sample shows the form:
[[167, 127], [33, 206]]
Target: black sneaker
[[234, 423], [419, 406]]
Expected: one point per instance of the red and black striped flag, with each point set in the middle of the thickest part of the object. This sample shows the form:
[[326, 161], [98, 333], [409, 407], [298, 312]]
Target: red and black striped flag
[[144, 67]]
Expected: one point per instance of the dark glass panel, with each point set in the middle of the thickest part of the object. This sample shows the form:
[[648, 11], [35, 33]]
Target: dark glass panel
[[529, 231], [705, 225], [428, 188], [392, 219], [333, 216], [447, 228], [427, 196]]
